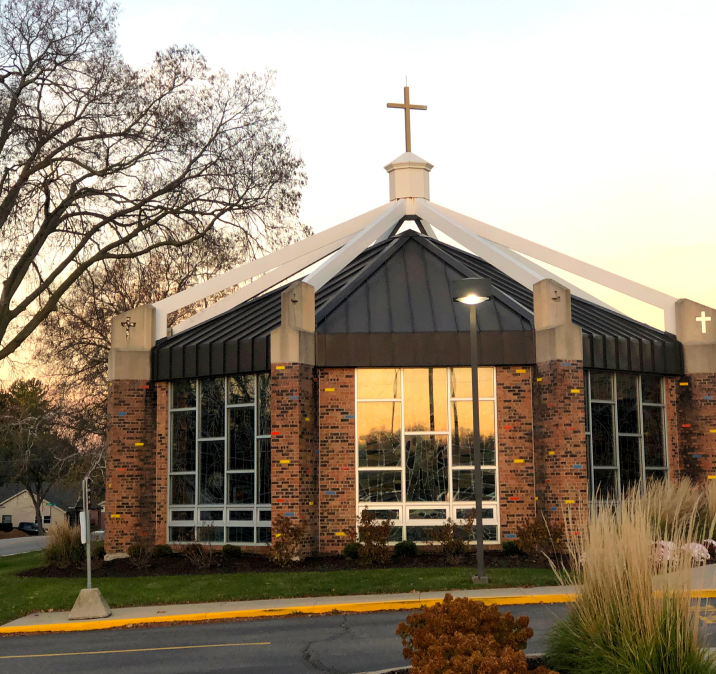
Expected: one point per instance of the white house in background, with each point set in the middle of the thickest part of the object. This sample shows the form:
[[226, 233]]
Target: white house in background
[[19, 508]]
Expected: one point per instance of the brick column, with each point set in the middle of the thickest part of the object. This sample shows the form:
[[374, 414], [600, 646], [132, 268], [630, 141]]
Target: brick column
[[561, 464], [132, 462], [515, 449], [561, 467], [337, 446], [294, 430], [696, 391]]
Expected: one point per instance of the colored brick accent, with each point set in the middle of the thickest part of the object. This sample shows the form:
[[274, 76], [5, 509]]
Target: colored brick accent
[[559, 427], [515, 443], [696, 407], [337, 482], [132, 469], [294, 462]]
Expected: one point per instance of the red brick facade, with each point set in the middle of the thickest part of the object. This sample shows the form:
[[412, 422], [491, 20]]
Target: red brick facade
[[294, 461], [696, 405], [515, 448], [561, 466], [337, 482], [132, 465]]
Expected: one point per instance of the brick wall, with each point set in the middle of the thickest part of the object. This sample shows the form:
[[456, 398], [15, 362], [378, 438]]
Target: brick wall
[[161, 478], [337, 481], [515, 448], [294, 462], [696, 410], [131, 494], [561, 468], [673, 427]]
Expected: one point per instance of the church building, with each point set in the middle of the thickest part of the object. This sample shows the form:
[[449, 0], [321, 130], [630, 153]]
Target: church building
[[337, 378]]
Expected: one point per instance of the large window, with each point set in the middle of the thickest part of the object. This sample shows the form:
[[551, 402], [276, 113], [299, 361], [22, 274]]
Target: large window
[[220, 460], [414, 448], [626, 436]]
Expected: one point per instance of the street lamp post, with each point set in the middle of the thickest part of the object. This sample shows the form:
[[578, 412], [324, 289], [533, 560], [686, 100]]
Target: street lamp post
[[474, 291]]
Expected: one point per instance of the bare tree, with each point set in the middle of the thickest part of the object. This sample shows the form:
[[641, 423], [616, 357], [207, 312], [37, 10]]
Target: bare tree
[[101, 163], [34, 452]]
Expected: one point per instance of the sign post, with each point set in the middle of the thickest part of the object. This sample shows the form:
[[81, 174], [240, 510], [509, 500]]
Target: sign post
[[86, 529]]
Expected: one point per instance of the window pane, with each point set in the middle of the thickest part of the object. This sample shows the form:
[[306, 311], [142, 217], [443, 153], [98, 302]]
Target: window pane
[[264, 535], [210, 534], [181, 534], [264, 471], [184, 393], [461, 419], [601, 385], [629, 464], [604, 484], [461, 382], [182, 515], [603, 434], [653, 437], [464, 513], [426, 468], [425, 399], [183, 441], [264, 516], [241, 438], [627, 410], [489, 532], [240, 534], [264, 386], [384, 383], [378, 434], [652, 475], [379, 485], [241, 389], [212, 408], [463, 485], [241, 515], [241, 488], [427, 514], [211, 515], [386, 514], [211, 471], [419, 534], [182, 490], [651, 388]]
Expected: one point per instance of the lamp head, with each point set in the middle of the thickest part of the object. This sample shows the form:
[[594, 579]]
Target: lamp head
[[472, 290]]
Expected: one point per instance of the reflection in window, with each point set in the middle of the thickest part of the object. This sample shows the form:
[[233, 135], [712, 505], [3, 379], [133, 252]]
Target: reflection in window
[[379, 434], [625, 431], [429, 461], [220, 455]]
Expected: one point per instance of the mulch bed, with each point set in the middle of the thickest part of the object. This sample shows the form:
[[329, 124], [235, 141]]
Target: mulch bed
[[15, 533], [178, 565]]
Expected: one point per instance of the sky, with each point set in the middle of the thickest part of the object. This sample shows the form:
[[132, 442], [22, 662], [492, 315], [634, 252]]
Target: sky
[[588, 127]]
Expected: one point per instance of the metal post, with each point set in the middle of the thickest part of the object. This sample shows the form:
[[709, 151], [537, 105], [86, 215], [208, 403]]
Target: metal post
[[85, 505], [481, 576]]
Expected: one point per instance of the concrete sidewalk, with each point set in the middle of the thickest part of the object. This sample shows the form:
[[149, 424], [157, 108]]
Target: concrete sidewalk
[[121, 617]]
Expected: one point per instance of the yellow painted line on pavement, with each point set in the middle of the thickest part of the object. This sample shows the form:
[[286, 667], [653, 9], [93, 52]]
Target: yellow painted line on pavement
[[131, 650]]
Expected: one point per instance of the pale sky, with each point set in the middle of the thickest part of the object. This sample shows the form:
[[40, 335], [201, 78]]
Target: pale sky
[[585, 126]]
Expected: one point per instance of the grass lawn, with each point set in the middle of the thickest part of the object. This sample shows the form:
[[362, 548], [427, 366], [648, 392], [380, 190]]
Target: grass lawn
[[20, 596]]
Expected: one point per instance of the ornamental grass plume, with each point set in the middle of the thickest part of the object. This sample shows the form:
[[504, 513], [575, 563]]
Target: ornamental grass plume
[[634, 611]]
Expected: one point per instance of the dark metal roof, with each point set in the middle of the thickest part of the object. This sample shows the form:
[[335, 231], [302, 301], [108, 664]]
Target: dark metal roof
[[392, 307]]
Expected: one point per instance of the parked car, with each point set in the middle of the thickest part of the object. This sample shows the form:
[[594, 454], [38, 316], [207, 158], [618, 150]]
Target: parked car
[[28, 528]]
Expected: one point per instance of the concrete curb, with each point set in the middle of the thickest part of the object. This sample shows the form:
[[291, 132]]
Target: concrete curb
[[307, 609]]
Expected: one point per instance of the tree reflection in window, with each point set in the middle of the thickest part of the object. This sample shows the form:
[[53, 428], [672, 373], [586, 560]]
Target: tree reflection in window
[[212, 408], [379, 434]]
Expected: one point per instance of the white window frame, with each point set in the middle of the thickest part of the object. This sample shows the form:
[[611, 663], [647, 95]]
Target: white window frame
[[451, 507], [256, 509]]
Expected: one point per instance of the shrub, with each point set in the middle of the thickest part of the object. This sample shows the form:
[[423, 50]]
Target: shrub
[[451, 538], [405, 549], [286, 546], [199, 556], [231, 551], [373, 535], [162, 551], [98, 551], [352, 550], [511, 548], [140, 555], [462, 636], [540, 537], [618, 622], [64, 545]]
